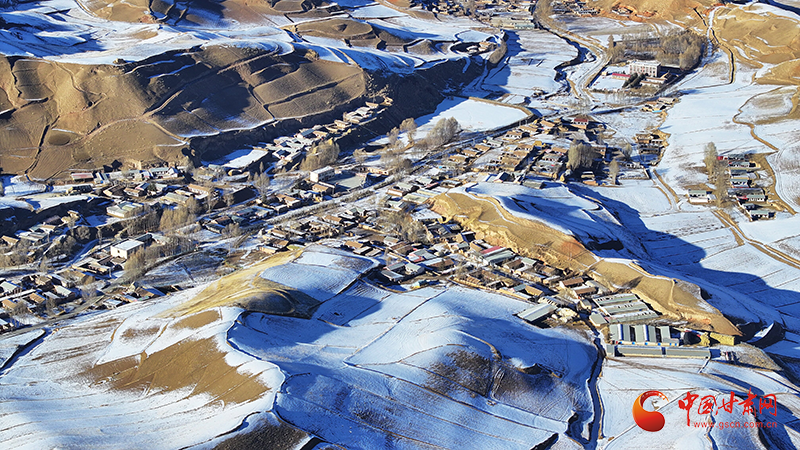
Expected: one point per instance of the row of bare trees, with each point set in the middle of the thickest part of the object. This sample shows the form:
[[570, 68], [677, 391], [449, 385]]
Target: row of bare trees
[[717, 173], [681, 48]]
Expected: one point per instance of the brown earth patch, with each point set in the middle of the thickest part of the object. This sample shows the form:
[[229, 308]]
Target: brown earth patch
[[197, 364], [654, 10], [248, 290], [354, 31], [675, 299], [760, 38]]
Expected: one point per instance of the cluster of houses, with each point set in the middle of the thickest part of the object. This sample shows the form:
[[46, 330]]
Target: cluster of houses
[[574, 7], [517, 9], [129, 294], [513, 22], [321, 185], [44, 293], [289, 151], [649, 340], [622, 316], [659, 105], [650, 143], [250, 215], [741, 174], [129, 201], [329, 181], [449, 7], [635, 73], [42, 233], [313, 228], [523, 151], [128, 193], [124, 206], [406, 195], [646, 72], [33, 293], [109, 258], [152, 174]]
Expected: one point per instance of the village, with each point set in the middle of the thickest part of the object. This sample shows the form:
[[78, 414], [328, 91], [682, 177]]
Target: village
[[113, 226], [737, 182], [138, 219]]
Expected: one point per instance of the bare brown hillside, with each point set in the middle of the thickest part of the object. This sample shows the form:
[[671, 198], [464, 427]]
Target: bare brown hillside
[[353, 31], [646, 10], [57, 116], [761, 37], [206, 13]]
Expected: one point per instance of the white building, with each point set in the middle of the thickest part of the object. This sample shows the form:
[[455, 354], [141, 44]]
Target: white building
[[125, 210], [322, 174], [126, 248], [649, 68]]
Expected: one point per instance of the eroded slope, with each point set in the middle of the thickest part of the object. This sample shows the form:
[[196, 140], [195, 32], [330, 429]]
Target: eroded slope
[[59, 115]]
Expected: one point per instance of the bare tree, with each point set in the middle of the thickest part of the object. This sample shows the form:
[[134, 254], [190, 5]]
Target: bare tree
[[321, 155], [229, 199], [19, 308], [543, 11], [405, 226], [393, 137], [360, 155], [710, 159], [71, 222], [44, 265], [261, 183], [616, 50], [174, 218], [626, 150], [50, 305], [469, 5], [232, 230], [721, 186], [410, 127], [613, 171], [87, 289], [580, 155], [135, 266], [443, 132], [192, 205]]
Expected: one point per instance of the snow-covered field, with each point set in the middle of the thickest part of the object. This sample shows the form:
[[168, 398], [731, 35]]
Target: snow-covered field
[[707, 116], [52, 31], [625, 379], [20, 185], [436, 366], [240, 159], [472, 115], [417, 366], [528, 68], [78, 401]]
